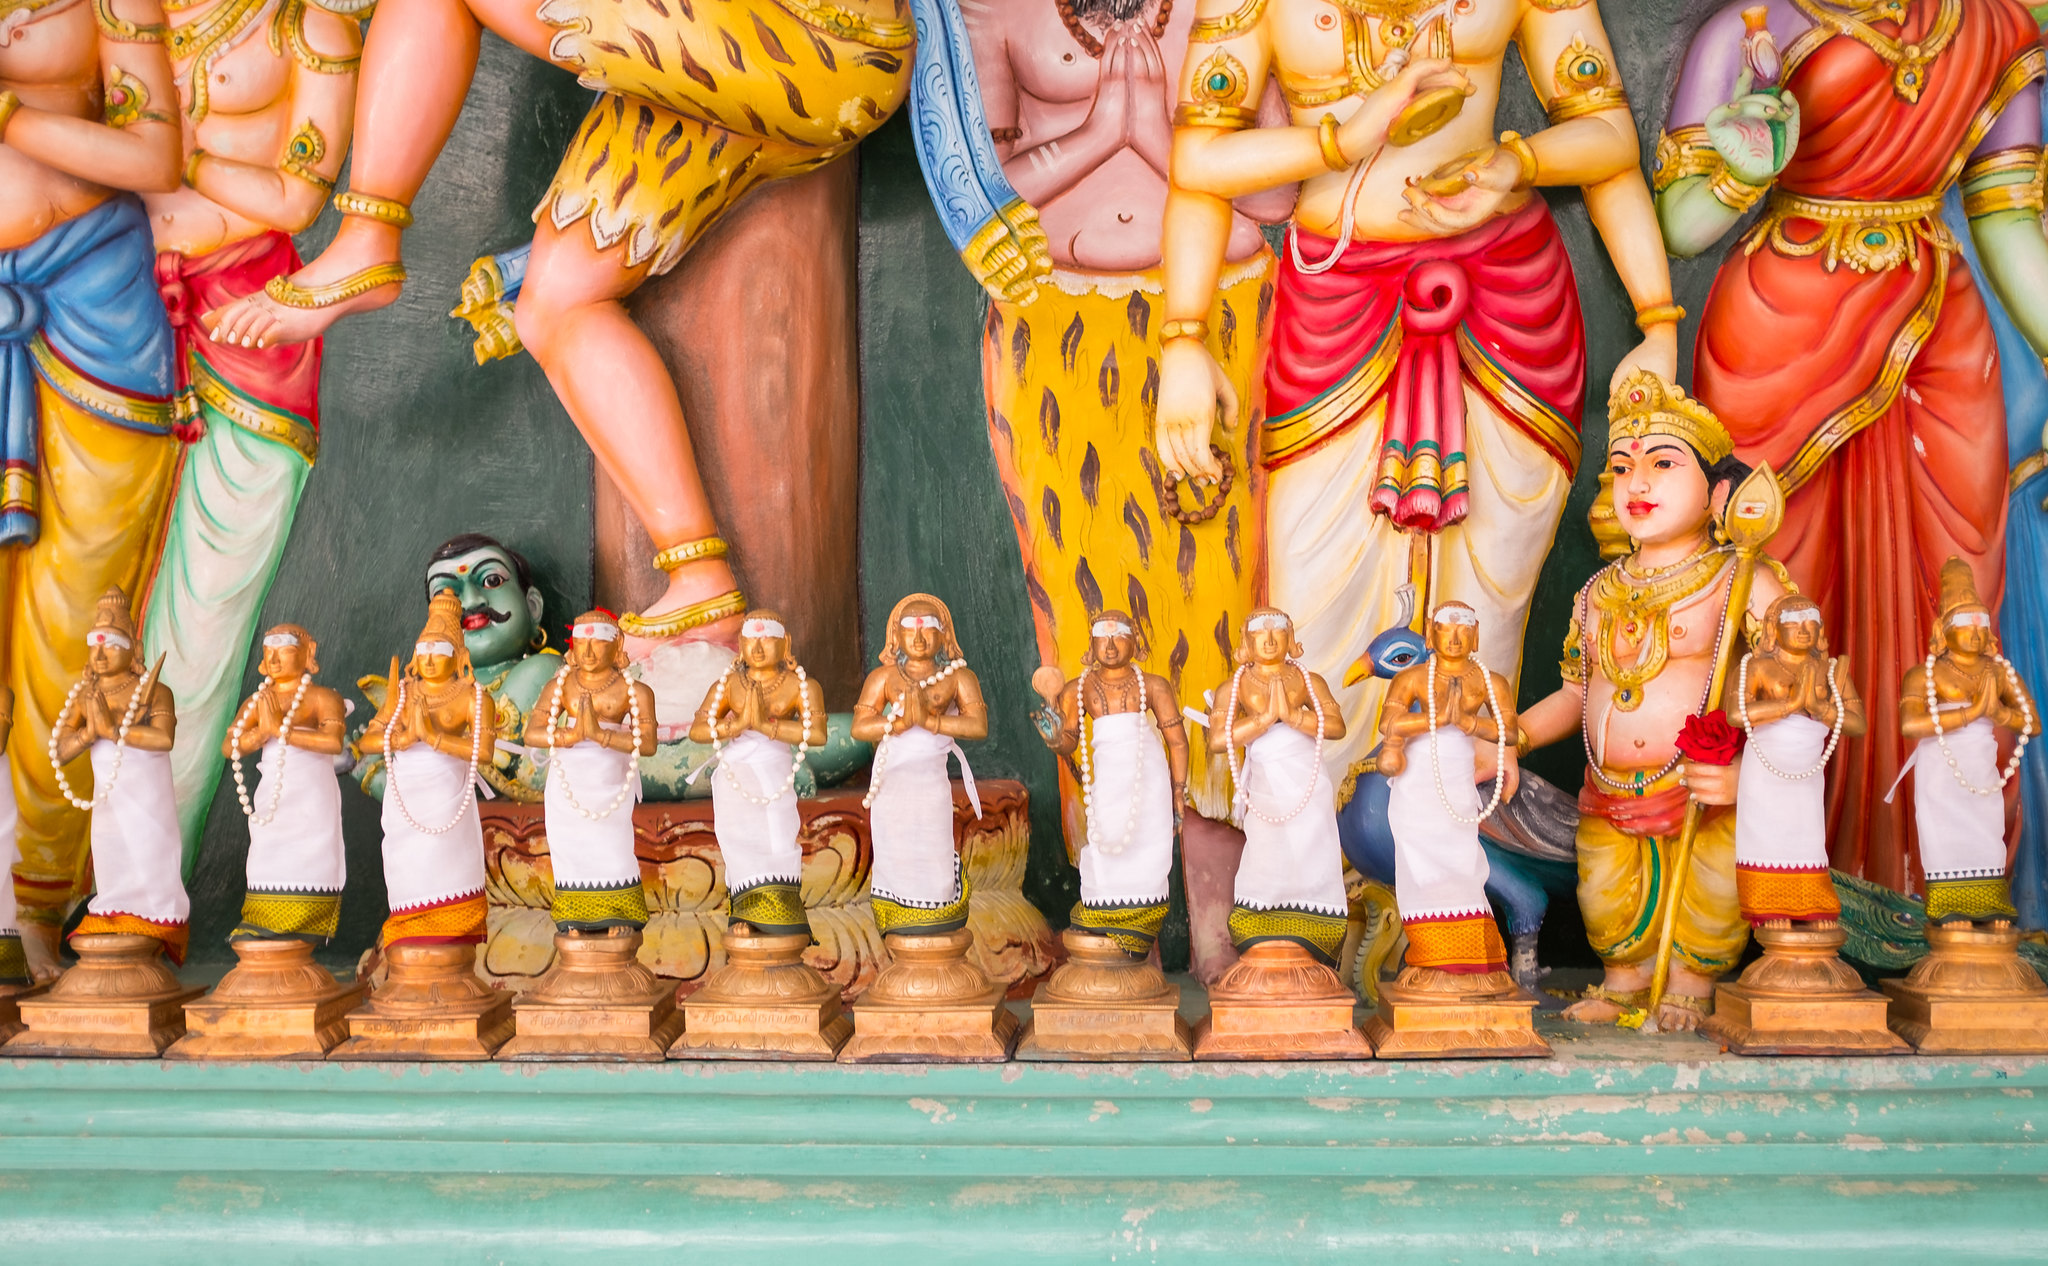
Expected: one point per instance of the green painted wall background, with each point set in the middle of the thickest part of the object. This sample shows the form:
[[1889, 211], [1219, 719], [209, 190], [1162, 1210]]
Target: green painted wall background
[[419, 444]]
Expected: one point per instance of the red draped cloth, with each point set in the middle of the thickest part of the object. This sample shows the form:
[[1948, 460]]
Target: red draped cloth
[[1414, 322], [285, 377], [1792, 356]]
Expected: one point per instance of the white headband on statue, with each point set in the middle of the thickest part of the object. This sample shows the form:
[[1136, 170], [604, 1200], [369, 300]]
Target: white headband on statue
[[278, 641], [1456, 615], [922, 622], [1800, 615], [434, 648], [107, 637], [1270, 620], [1970, 619], [763, 628], [596, 632], [1109, 628]]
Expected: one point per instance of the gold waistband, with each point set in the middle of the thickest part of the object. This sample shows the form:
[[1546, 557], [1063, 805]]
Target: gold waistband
[[1867, 236]]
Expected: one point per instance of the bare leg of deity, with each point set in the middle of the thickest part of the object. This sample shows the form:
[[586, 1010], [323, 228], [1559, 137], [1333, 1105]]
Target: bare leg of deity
[[610, 378]]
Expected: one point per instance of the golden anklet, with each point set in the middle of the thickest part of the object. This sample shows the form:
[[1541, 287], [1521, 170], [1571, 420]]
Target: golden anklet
[[371, 207], [689, 552], [285, 292], [694, 616]]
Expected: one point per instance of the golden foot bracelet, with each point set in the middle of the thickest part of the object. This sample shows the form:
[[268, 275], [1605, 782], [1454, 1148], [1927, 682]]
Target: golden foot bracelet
[[293, 296], [694, 616], [689, 552], [371, 207]]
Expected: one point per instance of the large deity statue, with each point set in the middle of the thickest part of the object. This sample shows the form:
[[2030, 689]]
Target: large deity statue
[[87, 110], [1640, 667], [1428, 362], [698, 104], [1844, 341], [1079, 97], [267, 98]]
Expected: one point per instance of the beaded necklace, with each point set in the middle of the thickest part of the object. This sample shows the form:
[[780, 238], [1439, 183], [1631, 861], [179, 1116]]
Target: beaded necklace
[[143, 689], [2012, 765], [476, 734], [1230, 740], [283, 732], [1742, 715], [633, 714], [1500, 747], [803, 743], [895, 710], [1084, 750]]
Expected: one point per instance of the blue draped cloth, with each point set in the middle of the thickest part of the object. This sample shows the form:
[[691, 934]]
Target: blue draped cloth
[[79, 308], [2023, 619]]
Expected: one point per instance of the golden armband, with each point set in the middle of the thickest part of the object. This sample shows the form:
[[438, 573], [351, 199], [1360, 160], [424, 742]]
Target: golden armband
[[306, 148], [9, 103], [1585, 82], [1214, 114], [192, 167], [1228, 25], [2024, 195], [1681, 154], [1572, 666], [122, 31]]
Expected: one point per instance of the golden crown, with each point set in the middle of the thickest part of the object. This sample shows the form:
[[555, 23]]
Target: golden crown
[[1645, 404]]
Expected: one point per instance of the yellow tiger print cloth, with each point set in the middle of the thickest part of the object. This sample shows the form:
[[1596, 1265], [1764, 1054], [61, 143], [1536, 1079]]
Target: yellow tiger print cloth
[[273, 916], [705, 99], [1072, 384], [597, 909]]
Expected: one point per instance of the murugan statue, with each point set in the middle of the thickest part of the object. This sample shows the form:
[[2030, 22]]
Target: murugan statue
[[1651, 637], [1972, 994], [931, 1000], [1079, 98], [266, 96], [1795, 703], [765, 1001], [1844, 340], [434, 729], [88, 114], [1426, 377], [697, 106], [125, 719], [593, 724], [1436, 715], [1121, 727], [277, 1003], [1287, 922]]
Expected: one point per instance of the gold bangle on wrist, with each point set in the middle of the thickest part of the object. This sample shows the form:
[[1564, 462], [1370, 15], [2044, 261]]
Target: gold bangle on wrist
[[1516, 144], [689, 552], [1326, 140], [9, 103], [1196, 330], [1658, 314], [371, 207], [192, 167], [1735, 193]]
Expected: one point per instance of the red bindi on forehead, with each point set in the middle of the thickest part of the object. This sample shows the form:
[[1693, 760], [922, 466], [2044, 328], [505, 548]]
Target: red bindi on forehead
[[1635, 446]]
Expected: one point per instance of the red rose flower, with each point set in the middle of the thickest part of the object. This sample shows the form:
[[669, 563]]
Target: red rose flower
[[1709, 739]]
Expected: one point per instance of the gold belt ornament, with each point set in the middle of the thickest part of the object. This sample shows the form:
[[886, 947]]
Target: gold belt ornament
[[1868, 236]]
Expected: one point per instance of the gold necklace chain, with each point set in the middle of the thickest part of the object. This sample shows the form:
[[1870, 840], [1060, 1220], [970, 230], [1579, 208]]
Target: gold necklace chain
[[1908, 60], [1640, 610], [205, 41]]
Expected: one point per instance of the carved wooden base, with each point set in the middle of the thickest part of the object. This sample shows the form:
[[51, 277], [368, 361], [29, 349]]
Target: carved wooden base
[[10, 1007], [597, 1003], [121, 1001], [1278, 1002], [431, 1007], [1800, 998], [277, 1003], [765, 1003], [1431, 1014], [1105, 1005], [931, 1005], [1971, 995]]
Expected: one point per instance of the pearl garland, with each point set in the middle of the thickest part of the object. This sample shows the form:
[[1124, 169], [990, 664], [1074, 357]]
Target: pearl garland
[[476, 733], [1086, 746], [1742, 714], [1230, 741], [882, 749], [1500, 747], [284, 729], [143, 688], [633, 713], [2012, 765], [796, 761]]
